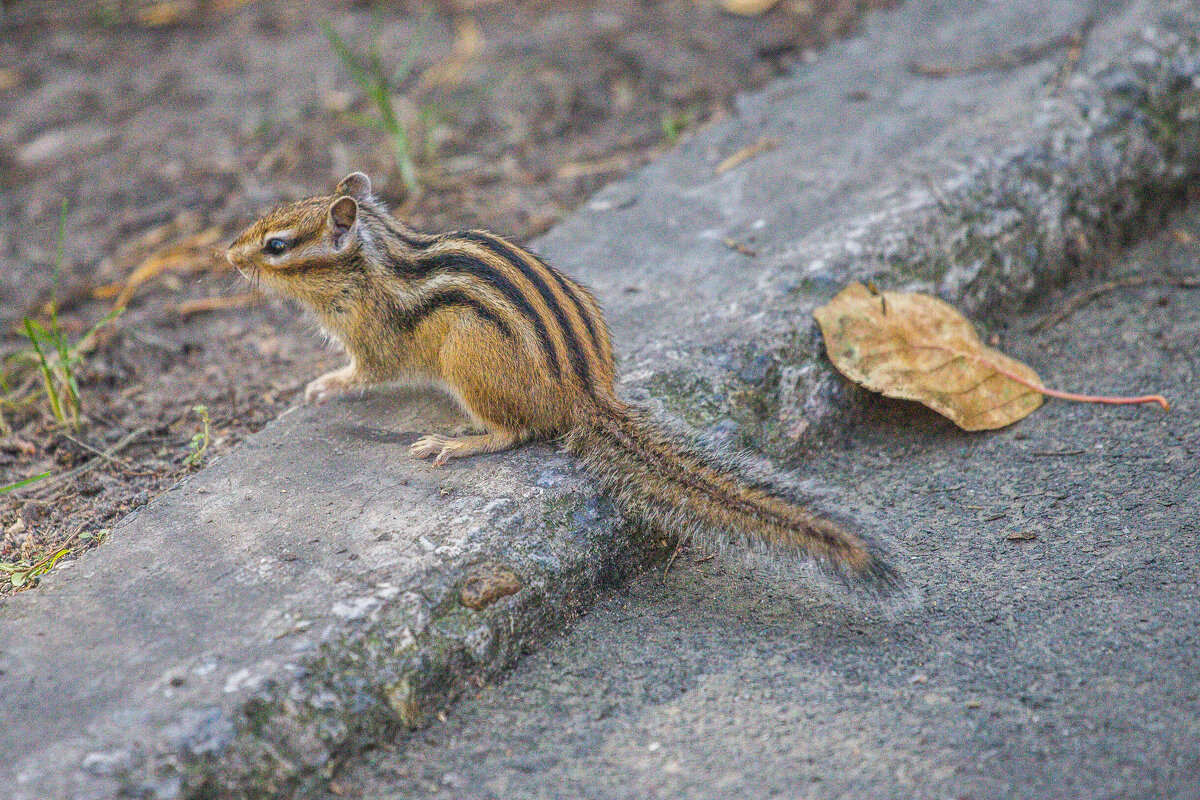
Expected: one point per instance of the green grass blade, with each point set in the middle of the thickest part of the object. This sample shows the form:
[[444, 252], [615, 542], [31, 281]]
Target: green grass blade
[[383, 101], [398, 137], [375, 66], [67, 374], [26, 482], [48, 565], [408, 170], [31, 332], [365, 121], [369, 74], [105, 320]]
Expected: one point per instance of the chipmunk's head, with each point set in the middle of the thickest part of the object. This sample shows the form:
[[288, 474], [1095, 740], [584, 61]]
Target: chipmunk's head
[[300, 247]]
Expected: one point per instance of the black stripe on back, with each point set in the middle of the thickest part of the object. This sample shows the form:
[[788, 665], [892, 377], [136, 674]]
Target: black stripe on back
[[514, 257], [406, 319], [393, 226], [427, 263], [569, 289]]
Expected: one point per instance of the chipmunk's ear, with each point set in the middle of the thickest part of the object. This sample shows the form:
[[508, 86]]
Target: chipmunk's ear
[[343, 216], [356, 185]]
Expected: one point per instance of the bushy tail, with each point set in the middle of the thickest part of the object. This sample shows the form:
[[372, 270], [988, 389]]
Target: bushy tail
[[657, 480]]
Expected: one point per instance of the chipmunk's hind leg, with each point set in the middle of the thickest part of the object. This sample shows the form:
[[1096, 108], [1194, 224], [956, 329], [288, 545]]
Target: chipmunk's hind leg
[[494, 385], [444, 448]]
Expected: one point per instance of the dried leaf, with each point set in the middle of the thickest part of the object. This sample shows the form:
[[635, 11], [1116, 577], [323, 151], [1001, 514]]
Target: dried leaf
[[916, 347], [748, 8], [192, 254], [221, 303], [157, 15]]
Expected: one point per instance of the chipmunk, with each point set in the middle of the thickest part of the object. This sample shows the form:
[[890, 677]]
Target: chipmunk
[[525, 352]]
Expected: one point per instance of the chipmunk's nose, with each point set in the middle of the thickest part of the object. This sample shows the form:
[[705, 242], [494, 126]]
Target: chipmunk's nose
[[235, 256]]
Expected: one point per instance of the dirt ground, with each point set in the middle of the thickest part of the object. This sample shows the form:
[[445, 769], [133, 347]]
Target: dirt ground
[[163, 128]]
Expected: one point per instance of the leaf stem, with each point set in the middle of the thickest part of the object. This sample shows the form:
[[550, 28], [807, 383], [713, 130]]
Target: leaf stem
[[1079, 398]]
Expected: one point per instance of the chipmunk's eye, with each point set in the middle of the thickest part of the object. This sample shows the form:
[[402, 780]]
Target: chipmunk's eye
[[274, 246]]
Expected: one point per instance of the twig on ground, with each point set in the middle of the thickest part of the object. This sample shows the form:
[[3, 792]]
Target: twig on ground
[[1083, 298], [670, 561], [33, 570], [936, 191], [738, 247], [763, 145], [92, 463], [119, 462], [1017, 57]]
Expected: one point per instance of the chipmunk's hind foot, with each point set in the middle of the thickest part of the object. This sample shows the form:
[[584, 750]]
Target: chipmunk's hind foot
[[444, 448]]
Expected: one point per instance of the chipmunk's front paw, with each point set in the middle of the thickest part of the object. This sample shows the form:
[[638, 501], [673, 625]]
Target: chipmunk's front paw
[[327, 386]]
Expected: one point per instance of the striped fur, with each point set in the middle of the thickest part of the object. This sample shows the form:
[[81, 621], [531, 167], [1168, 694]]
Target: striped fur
[[525, 351], [655, 478]]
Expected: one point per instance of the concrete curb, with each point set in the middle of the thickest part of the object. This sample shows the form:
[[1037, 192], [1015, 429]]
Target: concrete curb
[[315, 592], [297, 630]]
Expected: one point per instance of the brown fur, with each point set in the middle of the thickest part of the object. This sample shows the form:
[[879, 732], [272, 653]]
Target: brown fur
[[526, 353]]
